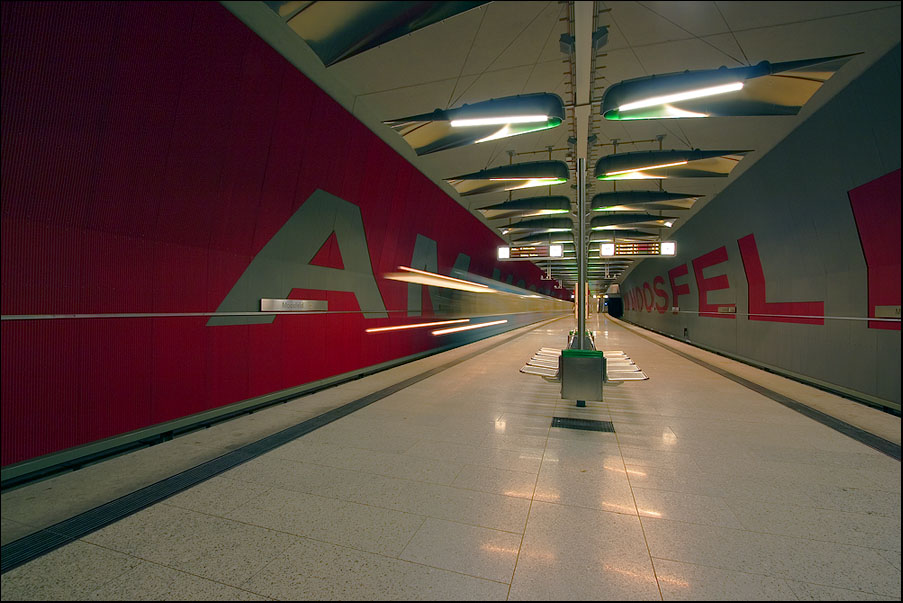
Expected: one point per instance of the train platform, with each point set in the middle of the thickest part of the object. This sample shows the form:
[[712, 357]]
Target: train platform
[[445, 479]]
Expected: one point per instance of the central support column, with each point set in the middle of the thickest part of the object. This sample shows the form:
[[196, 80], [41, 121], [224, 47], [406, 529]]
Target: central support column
[[581, 252]]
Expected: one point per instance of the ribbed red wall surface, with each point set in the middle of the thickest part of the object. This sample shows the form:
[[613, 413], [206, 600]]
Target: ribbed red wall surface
[[876, 208], [149, 152]]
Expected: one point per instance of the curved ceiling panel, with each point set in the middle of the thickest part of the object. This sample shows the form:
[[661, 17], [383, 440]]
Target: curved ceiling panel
[[338, 30], [668, 164], [480, 122], [511, 177], [762, 89]]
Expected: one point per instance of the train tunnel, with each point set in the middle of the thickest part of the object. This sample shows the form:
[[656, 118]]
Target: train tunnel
[[263, 335]]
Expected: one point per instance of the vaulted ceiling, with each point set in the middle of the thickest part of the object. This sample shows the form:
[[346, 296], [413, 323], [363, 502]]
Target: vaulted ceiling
[[428, 60]]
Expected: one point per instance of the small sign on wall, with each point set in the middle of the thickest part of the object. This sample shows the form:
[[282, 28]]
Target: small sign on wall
[[887, 311], [293, 305]]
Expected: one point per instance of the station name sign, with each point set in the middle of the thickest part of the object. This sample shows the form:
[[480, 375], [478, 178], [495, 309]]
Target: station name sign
[[638, 249], [531, 252]]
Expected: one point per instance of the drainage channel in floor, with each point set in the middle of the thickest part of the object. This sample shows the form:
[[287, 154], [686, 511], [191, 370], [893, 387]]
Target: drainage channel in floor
[[585, 424]]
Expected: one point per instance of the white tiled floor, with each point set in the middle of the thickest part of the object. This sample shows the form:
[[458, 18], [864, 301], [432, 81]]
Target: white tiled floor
[[458, 488]]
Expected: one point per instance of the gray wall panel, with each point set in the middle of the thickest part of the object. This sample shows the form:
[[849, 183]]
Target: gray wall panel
[[795, 202]]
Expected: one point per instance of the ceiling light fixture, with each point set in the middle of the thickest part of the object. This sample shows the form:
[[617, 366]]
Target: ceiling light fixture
[[336, 31], [527, 207], [762, 89], [548, 238], [642, 201], [668, 164], [547, 224], [471, 124], [497, 121], [648, 167], [615, 221], [679, 96], [498, 179]]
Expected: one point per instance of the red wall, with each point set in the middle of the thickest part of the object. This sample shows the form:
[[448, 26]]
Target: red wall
[[876, 208], [149, 152]]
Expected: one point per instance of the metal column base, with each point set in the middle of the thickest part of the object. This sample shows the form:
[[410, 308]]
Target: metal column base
[[581, 373]]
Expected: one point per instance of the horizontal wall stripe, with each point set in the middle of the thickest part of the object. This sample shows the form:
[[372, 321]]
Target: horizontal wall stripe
[[302, 313]]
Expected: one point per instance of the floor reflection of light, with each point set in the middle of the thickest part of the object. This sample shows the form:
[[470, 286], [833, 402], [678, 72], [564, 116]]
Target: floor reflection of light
[[534, 553], [620, 508], [674, 581], [630, 510], [492, 548], [630, 471], [500, 426], [518, 494], [668, 437], [625, 572]]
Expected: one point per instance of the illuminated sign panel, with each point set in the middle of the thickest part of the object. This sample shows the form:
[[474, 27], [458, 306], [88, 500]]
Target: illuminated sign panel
[[531, 252], [638, 249]]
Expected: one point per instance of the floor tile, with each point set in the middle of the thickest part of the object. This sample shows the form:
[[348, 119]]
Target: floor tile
[[498, 481], [152, 582], [805, 591], [862, 528], [485, 509], [606, 489], [71, 572], [680, 506], [333, 482], [217, 496], [364, 527], [318, 571], [211, 547], [13, 530], [830, 564], [371, 461], [470, 550], [840, 498], [688, 582], [572, 553]]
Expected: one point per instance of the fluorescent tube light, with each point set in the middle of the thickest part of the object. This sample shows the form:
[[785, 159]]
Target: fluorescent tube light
[[538, 182], [648, 167], [680, 96], [498, 121]]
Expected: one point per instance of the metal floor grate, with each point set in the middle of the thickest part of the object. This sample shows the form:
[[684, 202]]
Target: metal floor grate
[[587, 424]]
